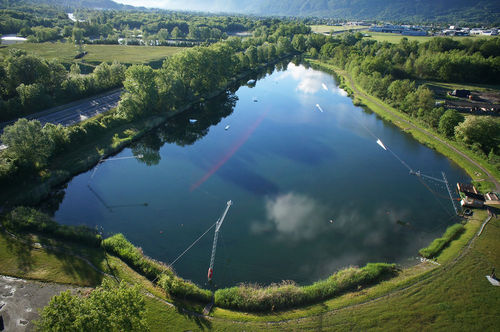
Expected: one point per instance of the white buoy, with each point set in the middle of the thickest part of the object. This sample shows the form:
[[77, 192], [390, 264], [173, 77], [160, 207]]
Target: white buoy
[[319, 107], [193, 120], [324, 86], [227, 127]]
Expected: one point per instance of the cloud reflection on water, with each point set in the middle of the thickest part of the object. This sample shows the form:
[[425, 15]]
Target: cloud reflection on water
[[309, 81], [293, 216]]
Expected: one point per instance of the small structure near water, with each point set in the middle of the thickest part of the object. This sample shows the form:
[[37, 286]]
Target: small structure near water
[[471, 198]]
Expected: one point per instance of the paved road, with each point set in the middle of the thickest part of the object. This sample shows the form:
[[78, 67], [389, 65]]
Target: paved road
[[74, 112], [490, 177]]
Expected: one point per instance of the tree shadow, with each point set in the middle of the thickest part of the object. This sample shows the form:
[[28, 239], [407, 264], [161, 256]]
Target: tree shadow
[[21, 246], [191, 313], [73, 259]]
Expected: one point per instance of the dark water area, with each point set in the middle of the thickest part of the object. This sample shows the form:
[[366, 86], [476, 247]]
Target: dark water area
[[312, 190]]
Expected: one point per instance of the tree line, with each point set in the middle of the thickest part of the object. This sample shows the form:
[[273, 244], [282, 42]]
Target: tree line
[[184, 77], [396, 73], [29, 83]]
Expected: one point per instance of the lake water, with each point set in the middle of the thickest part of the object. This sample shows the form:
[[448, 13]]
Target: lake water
[[312, 190]]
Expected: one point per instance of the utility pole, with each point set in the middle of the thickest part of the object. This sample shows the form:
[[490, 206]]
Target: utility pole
[[218, 224]]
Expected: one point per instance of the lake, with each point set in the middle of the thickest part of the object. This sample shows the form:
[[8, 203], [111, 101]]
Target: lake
[[312, 190]]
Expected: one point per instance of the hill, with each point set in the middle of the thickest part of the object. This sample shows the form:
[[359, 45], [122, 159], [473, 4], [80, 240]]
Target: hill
[[483, 11]]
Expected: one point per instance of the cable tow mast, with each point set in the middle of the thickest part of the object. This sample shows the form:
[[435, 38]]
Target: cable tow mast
[[218, 224]]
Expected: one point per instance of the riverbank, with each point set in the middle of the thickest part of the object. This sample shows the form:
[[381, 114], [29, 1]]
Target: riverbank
[[425, 295], [108, 143], [482, 174]]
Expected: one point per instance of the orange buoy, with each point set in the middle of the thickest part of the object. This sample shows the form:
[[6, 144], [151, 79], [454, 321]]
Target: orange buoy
[[210, 272]]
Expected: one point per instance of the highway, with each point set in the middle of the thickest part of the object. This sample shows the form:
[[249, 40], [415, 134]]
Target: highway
[[74, 112]]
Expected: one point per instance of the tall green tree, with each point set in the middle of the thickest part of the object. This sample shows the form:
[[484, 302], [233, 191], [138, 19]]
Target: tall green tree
[[107, 308], [141, 91], [27, 143], [449, 120], [483, 132]]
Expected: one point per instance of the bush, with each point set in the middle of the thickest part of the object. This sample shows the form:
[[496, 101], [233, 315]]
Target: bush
[[172, 284], [287, 294], [31, 220], [439, 244]]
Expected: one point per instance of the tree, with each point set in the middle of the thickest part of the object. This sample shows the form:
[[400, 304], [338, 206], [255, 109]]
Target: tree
[[78, 37], [142, 93], [449, 120], [299, 43], [107, 308], [176, 33], [481, 131], [27, 143], [33, 95]]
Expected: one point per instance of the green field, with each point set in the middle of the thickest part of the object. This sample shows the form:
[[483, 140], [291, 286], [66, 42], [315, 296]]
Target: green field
[[329, 28], [395, 38], [65, 52]]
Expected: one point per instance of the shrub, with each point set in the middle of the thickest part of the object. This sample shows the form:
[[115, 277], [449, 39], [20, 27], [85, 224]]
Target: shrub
[[439, 244], [172, 284], [287, 294]]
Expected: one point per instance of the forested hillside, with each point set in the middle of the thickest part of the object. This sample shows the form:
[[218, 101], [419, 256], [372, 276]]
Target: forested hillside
[[449, 11], [482, 11]]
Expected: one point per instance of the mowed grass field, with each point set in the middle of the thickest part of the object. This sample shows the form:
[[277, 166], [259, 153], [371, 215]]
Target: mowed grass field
[[329, 28], [395, 38], [65, 52]]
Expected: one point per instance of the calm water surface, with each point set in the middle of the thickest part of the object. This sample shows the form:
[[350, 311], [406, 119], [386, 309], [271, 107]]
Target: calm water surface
[[312, 190]]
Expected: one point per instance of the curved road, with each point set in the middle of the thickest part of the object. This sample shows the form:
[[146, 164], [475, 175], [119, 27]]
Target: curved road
[[74, 112], [490, 177]]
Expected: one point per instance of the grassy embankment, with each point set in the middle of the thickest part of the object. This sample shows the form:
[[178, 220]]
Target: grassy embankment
[[420, 297], [65, 52], [380, 107]]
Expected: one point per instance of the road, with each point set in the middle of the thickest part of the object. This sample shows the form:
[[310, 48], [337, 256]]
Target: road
[[489, 176], [74, 112]]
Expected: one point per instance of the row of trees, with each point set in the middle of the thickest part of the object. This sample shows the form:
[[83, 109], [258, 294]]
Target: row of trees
[[390, 72], [29, 83], [198, 71], [185, 76]]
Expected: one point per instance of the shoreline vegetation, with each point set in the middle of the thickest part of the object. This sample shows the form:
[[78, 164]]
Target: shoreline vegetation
[[362, 98], [151, 97], [119, 130]]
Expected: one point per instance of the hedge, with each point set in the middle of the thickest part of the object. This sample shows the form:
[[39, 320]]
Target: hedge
[[287, 294], [154, 270], [439, 244]]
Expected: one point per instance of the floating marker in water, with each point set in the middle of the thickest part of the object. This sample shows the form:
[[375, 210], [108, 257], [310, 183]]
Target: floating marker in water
[[254, 99], [193, 120], [324, 86], [319, 107], [251, 82], [227, 127], [379, 142]]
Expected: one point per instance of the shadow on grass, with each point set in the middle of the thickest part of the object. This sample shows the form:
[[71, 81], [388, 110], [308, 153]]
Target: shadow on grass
[[74, 266], [21, 247], [191, 313]]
